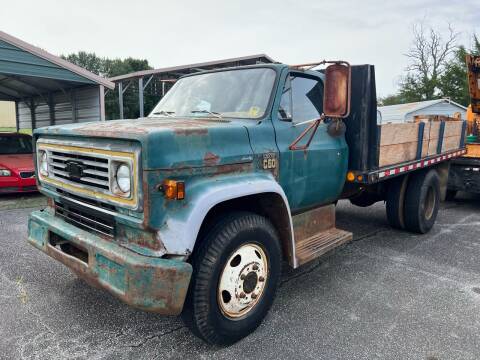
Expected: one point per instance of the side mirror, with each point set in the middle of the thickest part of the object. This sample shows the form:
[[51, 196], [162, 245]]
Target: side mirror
[[336, 100]]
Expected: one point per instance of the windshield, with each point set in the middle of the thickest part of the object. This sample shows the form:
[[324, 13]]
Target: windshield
[[234, 93], [15, 144]]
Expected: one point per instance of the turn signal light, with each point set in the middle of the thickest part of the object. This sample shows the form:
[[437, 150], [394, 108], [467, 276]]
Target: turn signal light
[[350, 176], [174, 190]]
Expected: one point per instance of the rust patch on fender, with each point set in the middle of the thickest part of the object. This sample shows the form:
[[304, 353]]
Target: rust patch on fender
[[191, 131], [211, 159]]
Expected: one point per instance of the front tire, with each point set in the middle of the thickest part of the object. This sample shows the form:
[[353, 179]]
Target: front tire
[[236, 272]]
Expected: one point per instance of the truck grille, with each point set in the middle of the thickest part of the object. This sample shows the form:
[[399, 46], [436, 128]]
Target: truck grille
[[92, 171], [88, 171], [86, 219]]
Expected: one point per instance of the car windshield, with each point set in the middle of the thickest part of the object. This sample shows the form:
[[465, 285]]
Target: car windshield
[[15, 144], [233, 93]]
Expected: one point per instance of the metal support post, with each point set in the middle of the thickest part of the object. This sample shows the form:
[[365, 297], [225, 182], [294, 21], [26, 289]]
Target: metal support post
[[140, 96], [120, 98]]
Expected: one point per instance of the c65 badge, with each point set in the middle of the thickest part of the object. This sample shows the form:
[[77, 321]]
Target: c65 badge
[[269, 161]]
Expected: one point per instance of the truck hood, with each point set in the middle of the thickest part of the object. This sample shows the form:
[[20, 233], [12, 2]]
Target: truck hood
[[170, 143]]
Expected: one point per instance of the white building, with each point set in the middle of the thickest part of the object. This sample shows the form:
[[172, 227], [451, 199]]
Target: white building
[[406, 112]]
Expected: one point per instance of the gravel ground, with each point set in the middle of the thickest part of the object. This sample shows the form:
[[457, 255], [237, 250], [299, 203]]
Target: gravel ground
[[386, 295]]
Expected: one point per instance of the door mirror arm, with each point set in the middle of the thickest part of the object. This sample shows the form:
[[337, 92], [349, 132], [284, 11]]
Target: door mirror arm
[[312, 129]]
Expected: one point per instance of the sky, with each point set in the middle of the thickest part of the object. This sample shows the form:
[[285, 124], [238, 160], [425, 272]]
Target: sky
[[170, 33]]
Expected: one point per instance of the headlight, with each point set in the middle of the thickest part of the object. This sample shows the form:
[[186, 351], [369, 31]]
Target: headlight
[[5, 172], [43, 164], [123, 177]]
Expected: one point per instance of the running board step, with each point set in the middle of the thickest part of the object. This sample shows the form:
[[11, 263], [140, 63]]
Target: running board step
[[315, 234], [317, 245]]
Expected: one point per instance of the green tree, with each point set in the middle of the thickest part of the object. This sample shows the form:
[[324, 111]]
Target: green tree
[[392, 99], [453, 84], [89, 61]]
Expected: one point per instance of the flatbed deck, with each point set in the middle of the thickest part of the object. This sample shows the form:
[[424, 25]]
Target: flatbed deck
[[375, 176]]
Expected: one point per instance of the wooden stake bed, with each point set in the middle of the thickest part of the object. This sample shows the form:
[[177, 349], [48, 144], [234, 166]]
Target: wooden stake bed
[[411, 141], [405, 147]]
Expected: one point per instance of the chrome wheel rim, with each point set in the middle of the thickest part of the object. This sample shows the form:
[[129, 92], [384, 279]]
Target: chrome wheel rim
[[243, 280]]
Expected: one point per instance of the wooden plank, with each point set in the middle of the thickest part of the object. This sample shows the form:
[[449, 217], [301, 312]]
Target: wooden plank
[[398, 133], [320, 243], [426, 118], [425, 148], [309, 223], [433, 137], [451, 143], [453, 128], [397, 153], [426, 138]]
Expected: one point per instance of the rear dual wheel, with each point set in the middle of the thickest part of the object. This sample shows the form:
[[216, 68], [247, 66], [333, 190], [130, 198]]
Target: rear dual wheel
[[236, 272], [413, 202]]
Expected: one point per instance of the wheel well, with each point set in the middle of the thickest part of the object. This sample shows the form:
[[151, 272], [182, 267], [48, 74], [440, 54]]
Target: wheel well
[[270, 205]]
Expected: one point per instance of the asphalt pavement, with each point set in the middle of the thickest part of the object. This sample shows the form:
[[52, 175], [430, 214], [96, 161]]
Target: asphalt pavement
[[386, 295]]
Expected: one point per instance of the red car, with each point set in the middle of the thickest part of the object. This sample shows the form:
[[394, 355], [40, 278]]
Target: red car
[[17, 172]]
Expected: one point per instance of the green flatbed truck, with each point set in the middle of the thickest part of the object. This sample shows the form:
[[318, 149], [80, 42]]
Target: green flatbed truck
[[192, 209]]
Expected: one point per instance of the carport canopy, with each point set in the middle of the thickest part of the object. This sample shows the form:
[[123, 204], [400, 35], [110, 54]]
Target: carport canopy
[[34, 77]]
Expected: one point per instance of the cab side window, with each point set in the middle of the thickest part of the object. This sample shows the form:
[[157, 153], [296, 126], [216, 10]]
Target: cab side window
[[285, 108], [307, 98]]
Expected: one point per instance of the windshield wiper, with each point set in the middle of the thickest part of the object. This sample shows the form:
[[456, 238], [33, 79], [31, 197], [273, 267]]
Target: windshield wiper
[[164, 112], [216, 114]]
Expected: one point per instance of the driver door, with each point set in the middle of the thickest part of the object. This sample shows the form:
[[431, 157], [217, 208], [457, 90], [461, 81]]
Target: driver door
[[313, 176]]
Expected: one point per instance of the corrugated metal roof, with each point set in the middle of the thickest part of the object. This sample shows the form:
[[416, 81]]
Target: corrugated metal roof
[[244, 60], [400, 112], [27, 70]]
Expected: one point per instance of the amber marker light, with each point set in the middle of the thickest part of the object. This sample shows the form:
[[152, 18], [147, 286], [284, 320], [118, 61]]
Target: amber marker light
[[173, 190], [350, 176]]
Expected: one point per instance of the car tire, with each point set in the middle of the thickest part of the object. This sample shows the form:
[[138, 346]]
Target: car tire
[[422, 201], [236, 272]]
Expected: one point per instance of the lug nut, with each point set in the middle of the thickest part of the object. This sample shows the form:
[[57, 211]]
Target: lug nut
[[261, 279], [255, 267], [254, 296], [242, 277], [242, 295]]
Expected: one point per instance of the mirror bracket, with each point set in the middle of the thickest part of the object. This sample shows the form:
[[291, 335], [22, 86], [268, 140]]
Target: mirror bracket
[[312, 128]]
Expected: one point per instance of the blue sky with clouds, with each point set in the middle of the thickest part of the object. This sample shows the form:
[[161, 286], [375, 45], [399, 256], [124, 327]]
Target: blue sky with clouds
[[169, 33]]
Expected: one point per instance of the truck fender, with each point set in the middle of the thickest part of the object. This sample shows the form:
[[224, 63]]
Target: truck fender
[[181, 228]]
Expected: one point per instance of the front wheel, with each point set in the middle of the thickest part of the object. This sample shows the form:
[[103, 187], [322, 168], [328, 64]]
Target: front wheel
[[236, 272]]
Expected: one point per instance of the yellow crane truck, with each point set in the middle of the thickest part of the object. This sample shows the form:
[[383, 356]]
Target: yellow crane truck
[[465, 171]]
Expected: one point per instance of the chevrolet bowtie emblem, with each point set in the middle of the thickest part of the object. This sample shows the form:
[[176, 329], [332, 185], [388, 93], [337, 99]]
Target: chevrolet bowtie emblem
[[74, 169]]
